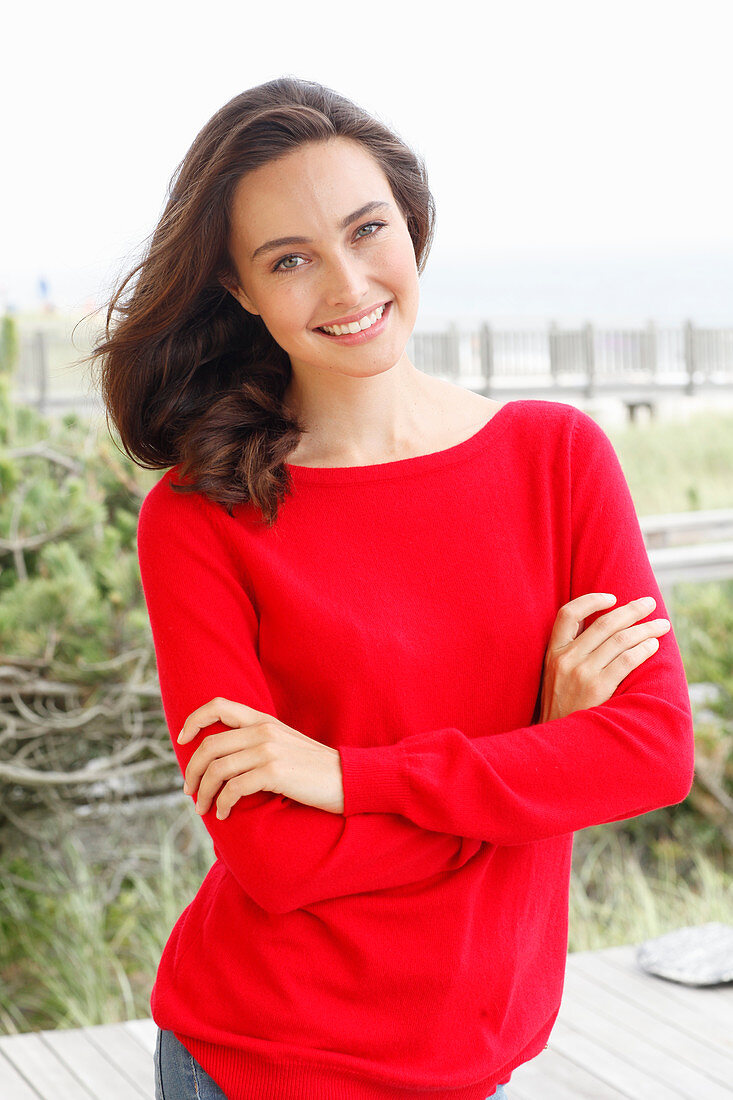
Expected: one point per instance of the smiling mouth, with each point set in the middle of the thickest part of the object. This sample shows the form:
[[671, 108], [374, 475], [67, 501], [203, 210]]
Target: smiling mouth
[[354, 327]]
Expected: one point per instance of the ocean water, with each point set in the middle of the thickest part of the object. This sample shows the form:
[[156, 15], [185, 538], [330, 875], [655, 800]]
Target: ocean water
[[668, 286]]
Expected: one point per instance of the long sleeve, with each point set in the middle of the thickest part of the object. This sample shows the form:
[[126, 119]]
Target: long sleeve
[[284, 854], [628, 756]]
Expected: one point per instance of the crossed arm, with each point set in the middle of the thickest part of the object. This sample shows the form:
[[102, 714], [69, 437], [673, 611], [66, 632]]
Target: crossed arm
[[582, 669]]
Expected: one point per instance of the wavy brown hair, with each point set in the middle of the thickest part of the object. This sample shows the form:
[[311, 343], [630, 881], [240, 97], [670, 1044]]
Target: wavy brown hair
[[187, 375]]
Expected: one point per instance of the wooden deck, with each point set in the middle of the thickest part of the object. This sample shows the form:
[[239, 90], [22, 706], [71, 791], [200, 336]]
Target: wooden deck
[[620, 1033], [623, 1033]]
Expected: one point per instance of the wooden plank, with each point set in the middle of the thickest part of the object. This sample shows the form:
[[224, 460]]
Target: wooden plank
[[632, 983], [127, 1053], [14, 1087], [712, 519], [676, 1027], [611, 1067], [713, 1002], [73, 1047], [709, 561], [38, 1063], [551, 1076], [144, 1032], [640, 1050], [684, 528]]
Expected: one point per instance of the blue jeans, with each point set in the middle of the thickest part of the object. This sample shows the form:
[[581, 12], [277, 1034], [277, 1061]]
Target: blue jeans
[[178, 1076]]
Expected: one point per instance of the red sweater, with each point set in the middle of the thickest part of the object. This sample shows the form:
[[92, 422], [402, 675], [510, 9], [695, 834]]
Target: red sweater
[[413, 946]]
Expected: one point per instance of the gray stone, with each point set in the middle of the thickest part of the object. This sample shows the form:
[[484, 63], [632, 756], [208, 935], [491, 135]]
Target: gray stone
[[701, 955]]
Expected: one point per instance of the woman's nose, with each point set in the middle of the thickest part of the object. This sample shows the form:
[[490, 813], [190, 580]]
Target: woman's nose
[[345, 282]]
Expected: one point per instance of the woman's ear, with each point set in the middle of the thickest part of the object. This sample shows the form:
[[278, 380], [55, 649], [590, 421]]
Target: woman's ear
[[236, 291]]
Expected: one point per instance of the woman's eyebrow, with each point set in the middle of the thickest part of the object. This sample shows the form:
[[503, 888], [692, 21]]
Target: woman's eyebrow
[[343, 224]]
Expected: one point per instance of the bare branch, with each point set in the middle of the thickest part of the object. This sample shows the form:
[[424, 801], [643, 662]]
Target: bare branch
[[16, 545], [32, 777], [42, 450]]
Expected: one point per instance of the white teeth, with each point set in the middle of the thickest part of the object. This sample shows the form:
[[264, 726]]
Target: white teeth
[[355, 326]]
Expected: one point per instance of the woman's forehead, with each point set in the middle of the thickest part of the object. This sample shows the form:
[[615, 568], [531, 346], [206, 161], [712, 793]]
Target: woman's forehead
[[311, 188]]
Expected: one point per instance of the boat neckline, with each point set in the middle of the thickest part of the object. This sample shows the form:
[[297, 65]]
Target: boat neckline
[[398, 467]]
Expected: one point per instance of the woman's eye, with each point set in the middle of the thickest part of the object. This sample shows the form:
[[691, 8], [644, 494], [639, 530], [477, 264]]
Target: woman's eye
[[376, 226], [290, 263], [280, 265]]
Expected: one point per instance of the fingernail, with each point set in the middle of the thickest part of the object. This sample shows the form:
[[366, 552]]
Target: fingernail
[[180, 735], [186, 788]]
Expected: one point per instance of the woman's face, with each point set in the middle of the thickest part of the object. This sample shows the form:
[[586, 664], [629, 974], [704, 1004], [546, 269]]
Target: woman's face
[[349, 262]]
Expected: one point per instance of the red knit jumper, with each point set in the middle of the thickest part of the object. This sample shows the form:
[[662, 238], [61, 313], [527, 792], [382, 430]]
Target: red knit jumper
[[413, 947]]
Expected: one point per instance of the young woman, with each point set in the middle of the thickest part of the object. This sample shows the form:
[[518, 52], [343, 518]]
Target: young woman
[[403, 632]]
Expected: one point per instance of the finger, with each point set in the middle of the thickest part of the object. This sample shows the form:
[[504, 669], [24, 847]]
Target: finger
[[224, 769], [606, 625], [242, 785], [630, 637], [217, 710], [629, 660], [214, 746], [573, 614]]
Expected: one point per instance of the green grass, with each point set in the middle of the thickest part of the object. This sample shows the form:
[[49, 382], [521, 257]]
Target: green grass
[[621, 893], [78, 948], [678, 465]]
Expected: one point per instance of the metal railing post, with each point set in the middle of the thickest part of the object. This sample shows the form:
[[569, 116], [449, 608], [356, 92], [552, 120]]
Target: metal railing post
[[690, 357], [650, 349], [552, 343], [486, 355], [454, 351], [590, 360]]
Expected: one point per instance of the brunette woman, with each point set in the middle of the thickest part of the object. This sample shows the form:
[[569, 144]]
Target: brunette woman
[[403, 632]]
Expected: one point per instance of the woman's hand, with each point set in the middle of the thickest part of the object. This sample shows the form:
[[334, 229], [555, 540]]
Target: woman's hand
[[260, 754], [583, 668]]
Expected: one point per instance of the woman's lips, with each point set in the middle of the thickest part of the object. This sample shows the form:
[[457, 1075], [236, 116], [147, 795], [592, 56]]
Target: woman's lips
[[364, 335]]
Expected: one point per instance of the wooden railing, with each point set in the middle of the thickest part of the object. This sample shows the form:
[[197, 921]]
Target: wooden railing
[[586, 358], [675, 528], [636, 364], [690, 546]]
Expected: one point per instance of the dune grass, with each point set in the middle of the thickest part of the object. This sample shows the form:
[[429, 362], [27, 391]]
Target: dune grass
[[678, 465], [80, 946], [622, 894]]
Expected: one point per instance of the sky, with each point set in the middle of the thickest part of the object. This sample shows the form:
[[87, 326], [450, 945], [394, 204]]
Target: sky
[[579, 153]]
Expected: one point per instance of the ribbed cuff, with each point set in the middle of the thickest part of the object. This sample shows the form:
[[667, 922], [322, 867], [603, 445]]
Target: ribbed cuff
[[375, 779]]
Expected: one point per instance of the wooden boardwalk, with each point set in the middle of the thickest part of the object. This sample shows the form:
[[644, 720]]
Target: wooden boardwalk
[[623, 1033], [620, 1033]]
